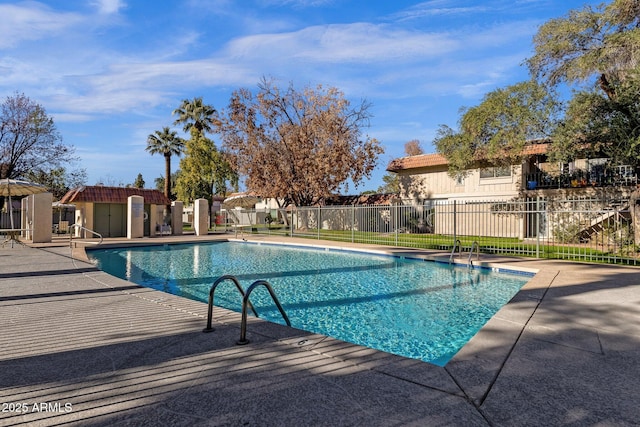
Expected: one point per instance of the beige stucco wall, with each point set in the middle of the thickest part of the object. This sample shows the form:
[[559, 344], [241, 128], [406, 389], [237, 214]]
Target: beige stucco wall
[[479, 219], [435, 183], [156, 218], [37, 217], [201, 217], [176, 218], [135, 217], [84, 217]]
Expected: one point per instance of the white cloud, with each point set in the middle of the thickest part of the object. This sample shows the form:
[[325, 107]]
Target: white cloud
[[70, 117], [31, 21], [111, 74], [109, 7], [437, 8], [375, 50], [358, 42], [140, 87], [297, 3]]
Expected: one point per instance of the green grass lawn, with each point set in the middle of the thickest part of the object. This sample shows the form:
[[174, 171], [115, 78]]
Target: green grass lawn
[[490, 245]]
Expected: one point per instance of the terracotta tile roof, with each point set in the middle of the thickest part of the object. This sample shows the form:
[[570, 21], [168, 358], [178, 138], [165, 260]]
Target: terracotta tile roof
[[536, 149], [414, 162], [428, 160], [100, 194]]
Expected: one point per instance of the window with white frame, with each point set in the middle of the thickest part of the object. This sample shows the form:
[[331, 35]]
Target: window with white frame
[[495, 172]]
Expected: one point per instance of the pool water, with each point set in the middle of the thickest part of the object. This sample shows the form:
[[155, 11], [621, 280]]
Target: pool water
[[413, 308]]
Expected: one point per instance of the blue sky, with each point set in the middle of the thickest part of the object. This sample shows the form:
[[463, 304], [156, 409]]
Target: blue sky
[[110, 72]]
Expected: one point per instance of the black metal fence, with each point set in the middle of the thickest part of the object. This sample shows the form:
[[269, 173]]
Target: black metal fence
[[583, 229]]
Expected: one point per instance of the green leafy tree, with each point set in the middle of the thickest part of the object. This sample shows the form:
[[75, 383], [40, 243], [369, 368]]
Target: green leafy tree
[[139, 182], [298, 146], [204, 170], [58, 181], [496, 130], [597, 49], [602, 42], [391, 184], [167, 143], [598, 126], [195, 114], [159, 182]]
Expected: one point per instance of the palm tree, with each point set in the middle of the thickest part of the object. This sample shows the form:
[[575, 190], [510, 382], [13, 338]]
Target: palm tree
[[167, 143], [195, 114]]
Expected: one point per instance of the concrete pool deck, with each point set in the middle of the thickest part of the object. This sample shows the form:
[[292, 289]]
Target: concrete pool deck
[[80, 347]]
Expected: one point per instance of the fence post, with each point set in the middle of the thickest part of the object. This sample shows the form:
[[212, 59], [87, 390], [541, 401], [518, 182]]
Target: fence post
[[455, 223], [395, 220], [318, 221], [353, 223], [538, 222]]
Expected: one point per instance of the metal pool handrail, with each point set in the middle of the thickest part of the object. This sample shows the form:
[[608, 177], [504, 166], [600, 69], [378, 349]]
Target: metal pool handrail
[[85, 229], [477, 246], [456, 244], [219, 280], [245, 301]]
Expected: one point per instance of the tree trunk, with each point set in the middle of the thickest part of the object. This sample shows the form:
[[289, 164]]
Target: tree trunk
[[603, 81], [167, 189], [284, 216], [634, 210]]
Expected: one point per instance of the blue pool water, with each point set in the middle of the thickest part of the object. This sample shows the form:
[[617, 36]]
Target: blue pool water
[[417, 309]]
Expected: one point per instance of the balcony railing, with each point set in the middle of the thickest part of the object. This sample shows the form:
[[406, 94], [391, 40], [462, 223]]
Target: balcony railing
[[542, 180]]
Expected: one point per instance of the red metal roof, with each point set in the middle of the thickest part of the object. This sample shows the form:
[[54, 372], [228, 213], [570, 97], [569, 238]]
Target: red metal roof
[[100, 194]]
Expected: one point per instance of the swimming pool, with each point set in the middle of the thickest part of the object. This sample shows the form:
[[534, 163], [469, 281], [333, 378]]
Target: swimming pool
[[417, 309]]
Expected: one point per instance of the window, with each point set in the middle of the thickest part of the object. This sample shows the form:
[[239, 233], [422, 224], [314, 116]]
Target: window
[[495, 172], [624, 170], [567, 168]]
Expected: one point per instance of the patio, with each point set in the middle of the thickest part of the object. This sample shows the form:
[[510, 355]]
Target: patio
[[85, 348]]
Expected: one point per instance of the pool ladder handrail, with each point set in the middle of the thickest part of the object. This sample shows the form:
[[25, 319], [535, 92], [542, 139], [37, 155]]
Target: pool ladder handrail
[[219, 280], [456, 244], [95, 233], [470, 261], [245, 304]]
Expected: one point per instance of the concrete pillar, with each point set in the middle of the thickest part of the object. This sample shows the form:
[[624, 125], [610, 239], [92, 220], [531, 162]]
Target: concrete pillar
[[155, 219], [80, 220], [201, 217], [38, 217], [135, 217], [176, 218]]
